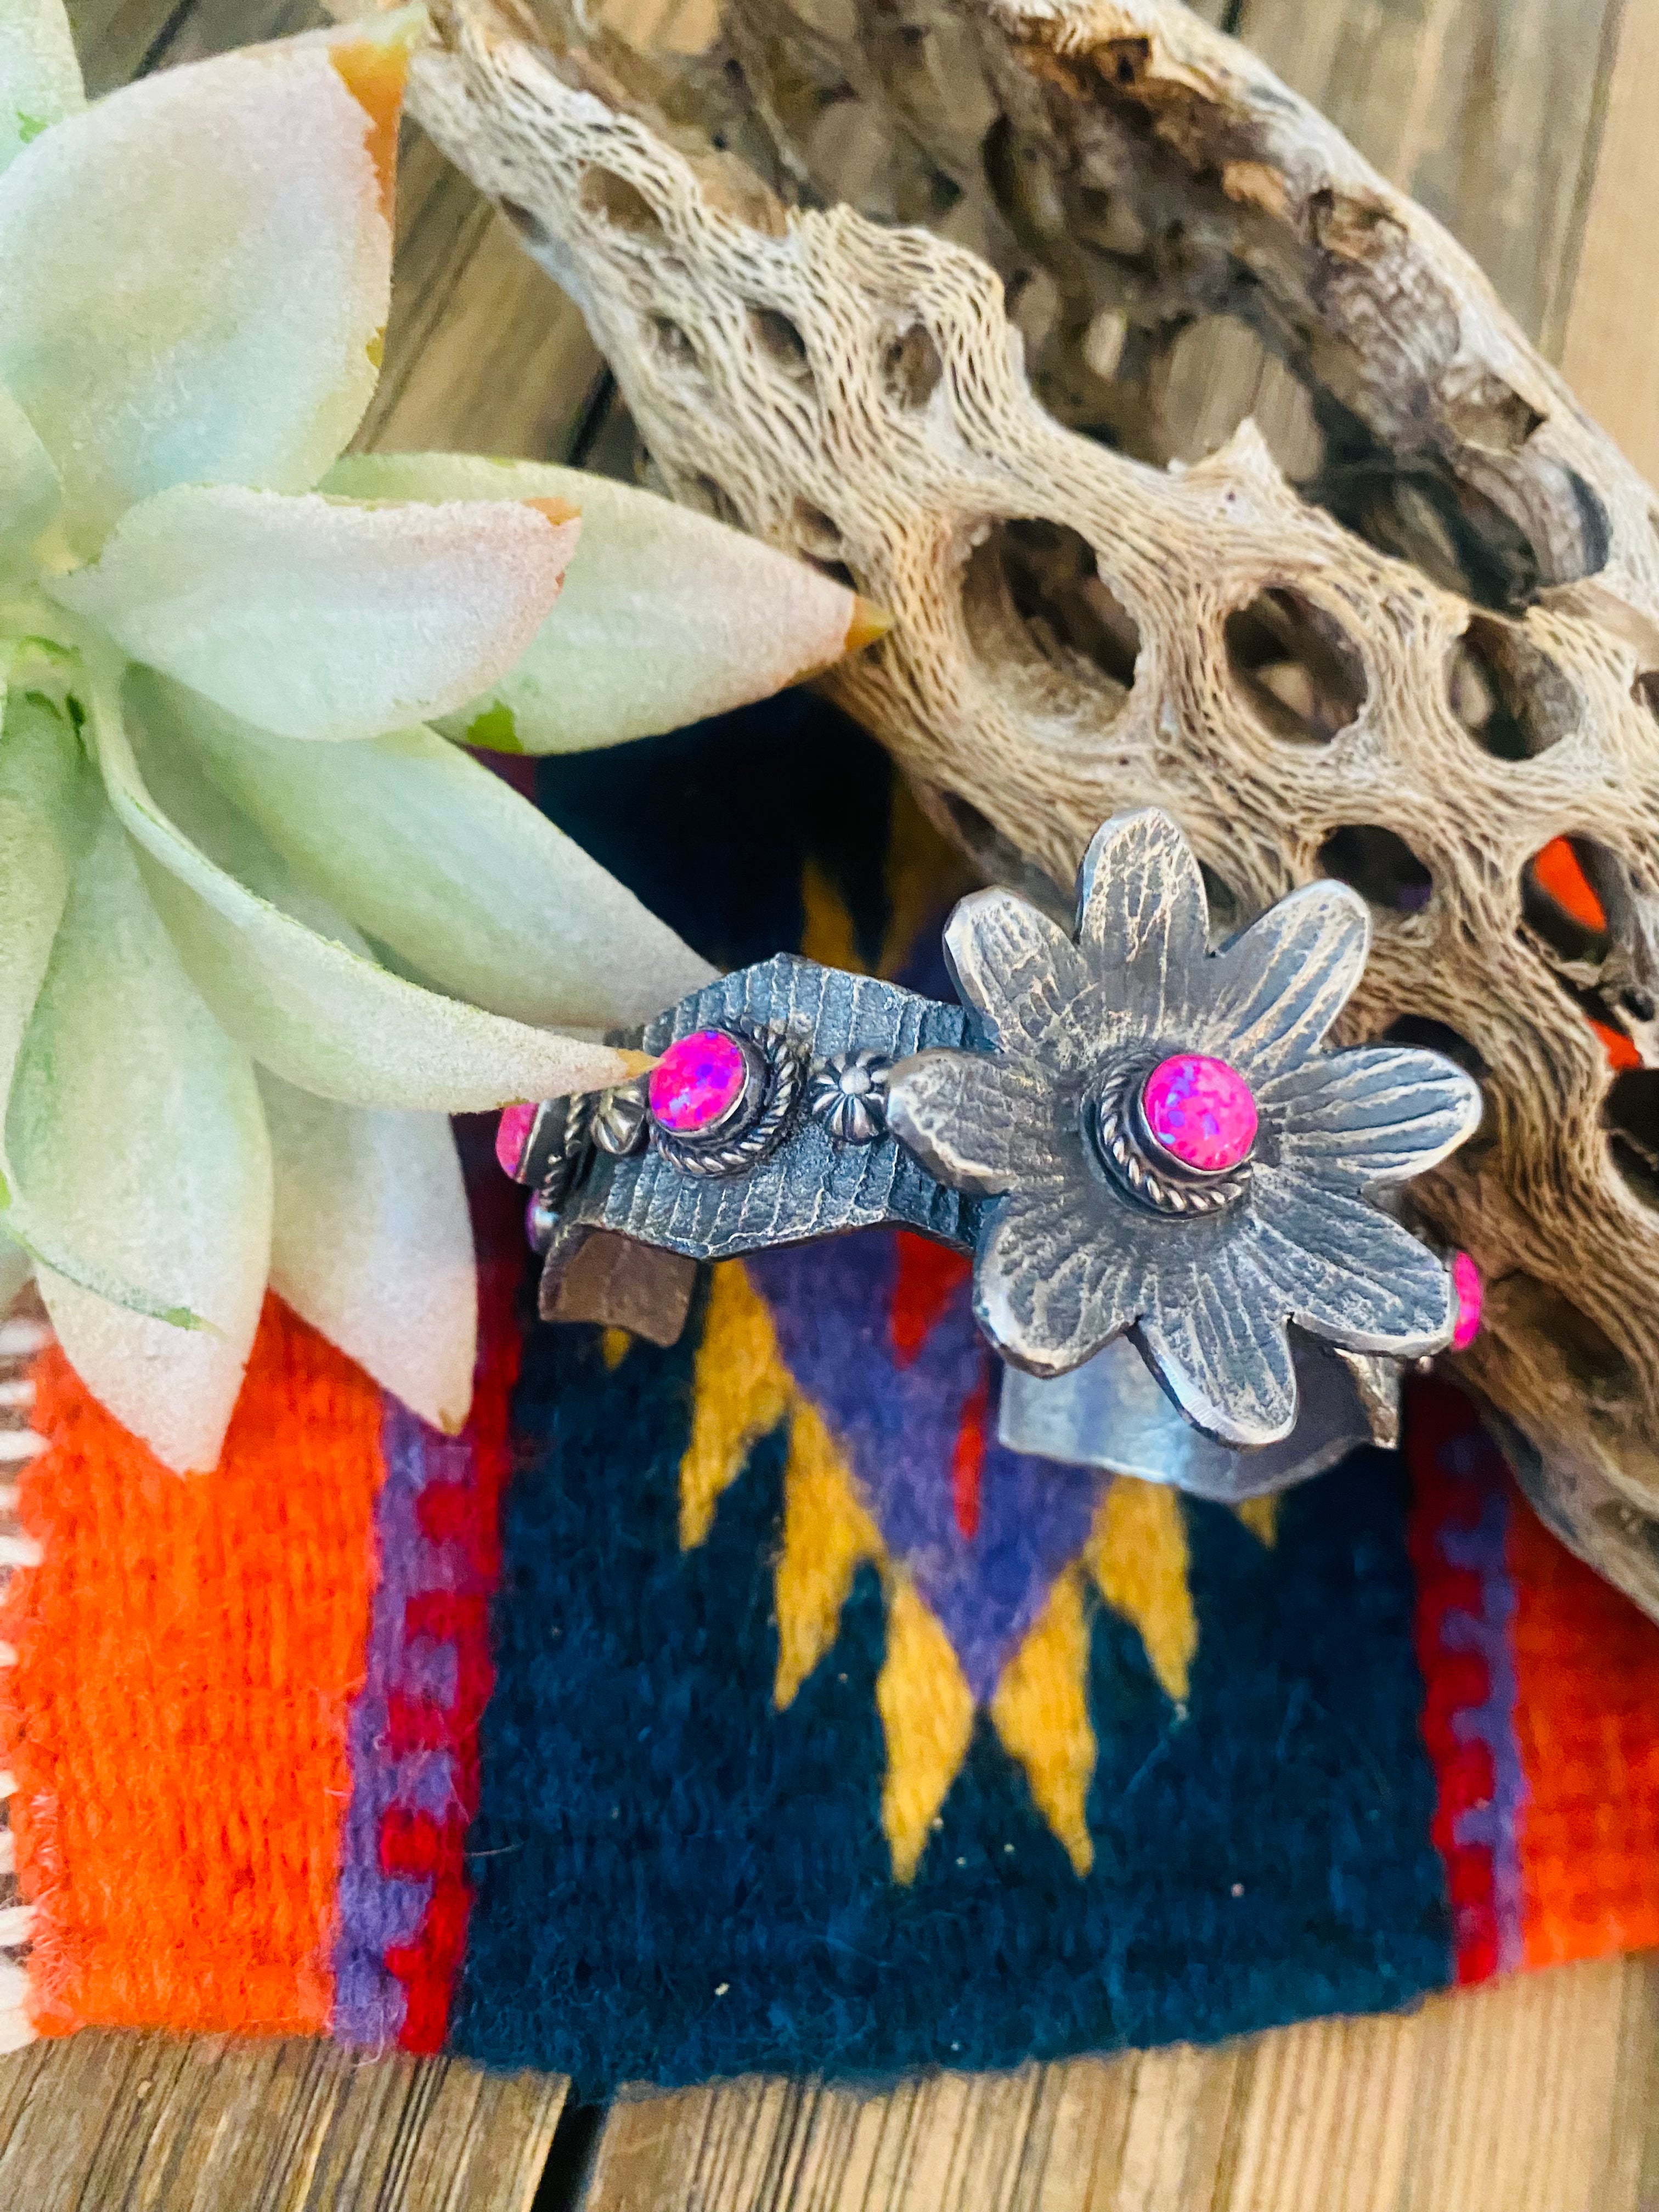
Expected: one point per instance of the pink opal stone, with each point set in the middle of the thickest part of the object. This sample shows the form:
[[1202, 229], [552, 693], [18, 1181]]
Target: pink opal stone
[[1471, 1296], [1200, 1110], [696, 1082], [513, 1135]]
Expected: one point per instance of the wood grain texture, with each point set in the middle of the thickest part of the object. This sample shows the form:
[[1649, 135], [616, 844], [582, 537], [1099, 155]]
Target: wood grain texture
[[1486, 110], [1491, 113], [120, 39], [1610, 351], [483, 353], [128, 2121], [1536, 2096], [1540, 2095]]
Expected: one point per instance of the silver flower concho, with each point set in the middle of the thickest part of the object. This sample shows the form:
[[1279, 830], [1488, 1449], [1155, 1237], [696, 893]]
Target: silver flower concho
[[1128, 1190]]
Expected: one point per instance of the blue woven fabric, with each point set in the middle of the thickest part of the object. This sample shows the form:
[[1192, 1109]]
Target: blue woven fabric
[[675, 1881]]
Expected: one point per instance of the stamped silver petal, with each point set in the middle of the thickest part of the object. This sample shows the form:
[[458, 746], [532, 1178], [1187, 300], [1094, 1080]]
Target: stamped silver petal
[[1377, 1113], [1142, 918], [1220, 1349], [1023, 976], [1279, 985], [1346, 1271], [1051, 1284], [977, 1123]]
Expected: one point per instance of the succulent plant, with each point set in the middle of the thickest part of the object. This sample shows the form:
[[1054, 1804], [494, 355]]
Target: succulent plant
[[264, 922]]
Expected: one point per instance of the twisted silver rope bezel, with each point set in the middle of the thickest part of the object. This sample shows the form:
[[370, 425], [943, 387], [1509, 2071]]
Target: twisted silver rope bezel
[[1140, 1166]]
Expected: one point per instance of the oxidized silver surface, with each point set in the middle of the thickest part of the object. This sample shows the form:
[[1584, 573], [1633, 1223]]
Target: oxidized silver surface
[[553, 1159], [1067, 1260], [849, 1095], [1112, 1413], [557, 1147], [775, 1058], [807, 1185], [1000, 1135], [619, 1124]]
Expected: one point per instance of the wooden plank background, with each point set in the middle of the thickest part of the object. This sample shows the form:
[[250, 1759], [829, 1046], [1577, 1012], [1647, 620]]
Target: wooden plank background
[[1526, 125]]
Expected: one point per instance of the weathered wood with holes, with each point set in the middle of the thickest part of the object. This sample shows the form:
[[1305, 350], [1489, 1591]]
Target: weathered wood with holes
[[1540, 2095]]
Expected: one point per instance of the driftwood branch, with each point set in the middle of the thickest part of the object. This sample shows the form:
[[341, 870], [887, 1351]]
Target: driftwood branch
[[1420, 666]]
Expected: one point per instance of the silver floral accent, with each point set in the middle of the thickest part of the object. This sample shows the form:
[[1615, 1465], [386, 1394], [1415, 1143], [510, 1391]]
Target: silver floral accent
[[777, 1063], [1067, 1259], [848, 1095]]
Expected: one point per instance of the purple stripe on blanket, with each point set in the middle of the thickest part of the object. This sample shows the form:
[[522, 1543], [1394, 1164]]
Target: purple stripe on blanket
[[378, 1910], [1480, 1551]]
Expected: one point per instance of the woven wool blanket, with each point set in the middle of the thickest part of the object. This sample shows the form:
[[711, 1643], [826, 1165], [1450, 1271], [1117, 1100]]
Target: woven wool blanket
[[747, 1705]]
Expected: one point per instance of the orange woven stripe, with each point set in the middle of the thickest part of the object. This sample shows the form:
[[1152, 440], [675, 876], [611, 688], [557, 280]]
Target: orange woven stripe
[[186, 1653], [1587, 1714]]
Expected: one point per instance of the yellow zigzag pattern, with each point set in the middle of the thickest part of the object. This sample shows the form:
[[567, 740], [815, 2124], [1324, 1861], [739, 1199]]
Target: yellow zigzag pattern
[[1136, 1558]]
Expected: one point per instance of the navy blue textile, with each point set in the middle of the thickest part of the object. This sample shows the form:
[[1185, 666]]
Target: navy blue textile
[[674, 1882]]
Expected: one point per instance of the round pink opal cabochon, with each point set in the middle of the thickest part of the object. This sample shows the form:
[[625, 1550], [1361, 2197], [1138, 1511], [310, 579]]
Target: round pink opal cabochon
[[697, 1082], [1200, 1110]]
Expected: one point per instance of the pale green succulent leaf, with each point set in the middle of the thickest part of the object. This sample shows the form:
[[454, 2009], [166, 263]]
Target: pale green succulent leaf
[[309, 1007], [323, 618], [137, 1130], [47, 810], [197, 272], [39, 76], [462, 879], [41, 817], [200, 813], [16, 1269], [30, 489], [32, 660], [665, 616], [373, 1243]]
